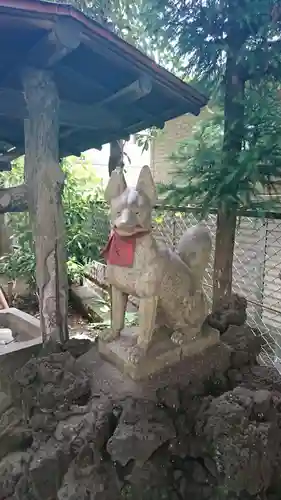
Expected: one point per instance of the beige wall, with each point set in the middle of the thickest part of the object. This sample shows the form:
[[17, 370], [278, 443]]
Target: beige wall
[[166, 142]]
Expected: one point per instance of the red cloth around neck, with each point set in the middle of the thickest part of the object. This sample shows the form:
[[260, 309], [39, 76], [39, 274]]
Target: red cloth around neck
[[120, 250]]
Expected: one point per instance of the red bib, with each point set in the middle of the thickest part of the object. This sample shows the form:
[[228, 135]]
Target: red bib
[[120, 250]]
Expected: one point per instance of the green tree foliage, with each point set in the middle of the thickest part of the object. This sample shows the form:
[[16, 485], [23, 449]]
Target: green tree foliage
[[126, 20], [209, 33], [229, 45], [86, 221], [200, 177]]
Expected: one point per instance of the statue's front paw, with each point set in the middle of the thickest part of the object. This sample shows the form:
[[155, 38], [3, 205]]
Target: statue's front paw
[[136, 354], [178, 338], [108, 335]]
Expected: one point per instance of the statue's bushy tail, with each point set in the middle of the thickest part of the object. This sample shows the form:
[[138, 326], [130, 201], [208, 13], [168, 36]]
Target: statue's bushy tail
[[194, 248]]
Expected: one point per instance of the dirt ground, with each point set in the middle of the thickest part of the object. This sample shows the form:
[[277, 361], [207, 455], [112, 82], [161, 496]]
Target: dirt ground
[[79, 327]]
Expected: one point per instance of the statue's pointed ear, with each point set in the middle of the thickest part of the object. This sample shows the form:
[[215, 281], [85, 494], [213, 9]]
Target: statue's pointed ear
[[146, 184], [116, 185]]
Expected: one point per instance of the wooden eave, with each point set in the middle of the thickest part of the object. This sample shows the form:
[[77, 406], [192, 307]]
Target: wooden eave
[[107, 88]]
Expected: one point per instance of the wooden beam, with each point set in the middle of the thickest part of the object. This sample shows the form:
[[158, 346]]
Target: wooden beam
[[11, 155], [132, 93], [10, 150], [44, 180], [191, 98], [89, 86], [124, 97], [64, 38], [95, 88], [13, 199], [56, 44], [90, 117], [13, 105]]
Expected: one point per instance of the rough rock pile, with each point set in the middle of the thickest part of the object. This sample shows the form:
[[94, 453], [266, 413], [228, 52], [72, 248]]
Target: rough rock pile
[[228, 313], [217, 438]]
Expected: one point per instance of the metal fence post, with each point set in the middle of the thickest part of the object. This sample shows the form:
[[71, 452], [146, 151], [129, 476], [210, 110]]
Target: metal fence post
[[260, 292]]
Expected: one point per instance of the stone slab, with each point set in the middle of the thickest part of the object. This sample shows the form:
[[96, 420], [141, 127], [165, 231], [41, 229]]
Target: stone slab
[[6, 336], [91, 299], [17, 347], [162, 354], [23, 325]]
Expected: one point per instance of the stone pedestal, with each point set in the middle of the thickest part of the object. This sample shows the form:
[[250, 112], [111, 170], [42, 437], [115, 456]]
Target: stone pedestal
[[23, 325], [18, 346], [162, 354]]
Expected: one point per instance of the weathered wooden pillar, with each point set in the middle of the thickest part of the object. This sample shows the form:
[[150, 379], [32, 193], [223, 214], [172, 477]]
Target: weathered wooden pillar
[[44, 180], [4, 237]]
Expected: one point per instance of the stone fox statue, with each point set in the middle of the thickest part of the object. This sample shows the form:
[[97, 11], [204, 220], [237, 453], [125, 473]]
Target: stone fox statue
[[168, 283]]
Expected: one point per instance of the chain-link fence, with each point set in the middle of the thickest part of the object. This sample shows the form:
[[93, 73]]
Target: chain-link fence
[[256, 267]]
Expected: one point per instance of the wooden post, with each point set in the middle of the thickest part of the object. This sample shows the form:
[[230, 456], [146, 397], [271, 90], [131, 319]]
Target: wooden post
[[4, 235], [44, 181], [115, 156]]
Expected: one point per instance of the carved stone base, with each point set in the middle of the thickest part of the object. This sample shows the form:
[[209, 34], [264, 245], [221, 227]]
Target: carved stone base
[[162, 354]]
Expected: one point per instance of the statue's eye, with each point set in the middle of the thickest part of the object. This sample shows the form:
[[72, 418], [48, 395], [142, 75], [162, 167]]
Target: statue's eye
[[118, 214], [137, 213]]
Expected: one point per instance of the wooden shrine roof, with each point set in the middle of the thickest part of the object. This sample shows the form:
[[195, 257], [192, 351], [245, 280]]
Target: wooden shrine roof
[[108, 89]]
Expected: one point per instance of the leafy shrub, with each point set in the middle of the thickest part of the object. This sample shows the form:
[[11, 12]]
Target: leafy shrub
[[86, 219], [86, 222], [20, 262]]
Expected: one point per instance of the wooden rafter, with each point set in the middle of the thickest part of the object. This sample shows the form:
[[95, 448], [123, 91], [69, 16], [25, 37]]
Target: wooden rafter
[[11, 155], [50, 49], [96, 88], [132, 93], [96, 117], [12, 105], [102, 117], [58, 43], [124, 97], [194, 97]]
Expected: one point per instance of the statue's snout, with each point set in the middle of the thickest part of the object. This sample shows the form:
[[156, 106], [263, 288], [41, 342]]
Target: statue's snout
[[127, 221]]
